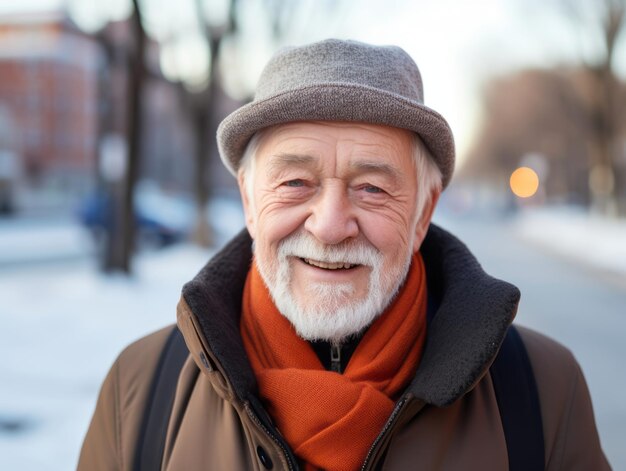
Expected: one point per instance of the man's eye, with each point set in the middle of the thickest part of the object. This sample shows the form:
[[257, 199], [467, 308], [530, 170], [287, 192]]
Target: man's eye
[[372, 189], [294, 183]]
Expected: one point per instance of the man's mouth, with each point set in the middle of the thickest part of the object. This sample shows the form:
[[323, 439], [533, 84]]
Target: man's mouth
[[328, 265]]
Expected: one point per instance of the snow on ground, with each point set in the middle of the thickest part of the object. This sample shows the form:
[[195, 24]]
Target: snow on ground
[[62, 327], [22, 241], [62, 324], [596, 241]]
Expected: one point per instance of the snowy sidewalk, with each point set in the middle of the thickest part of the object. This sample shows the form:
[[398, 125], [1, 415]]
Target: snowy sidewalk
[[574, 234], [63, 324], [24, 241], [61, 327]]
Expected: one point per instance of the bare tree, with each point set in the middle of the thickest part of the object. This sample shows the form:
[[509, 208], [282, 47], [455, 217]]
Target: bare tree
[[606, 20], [134, 137], [123, 69], [205, 116]]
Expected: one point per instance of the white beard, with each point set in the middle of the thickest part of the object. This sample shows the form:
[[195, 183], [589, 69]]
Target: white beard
[[331, 314]]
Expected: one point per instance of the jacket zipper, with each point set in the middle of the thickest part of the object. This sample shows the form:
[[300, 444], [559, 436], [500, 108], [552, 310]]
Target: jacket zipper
[[392, 418], [335, 358], [274, 438]]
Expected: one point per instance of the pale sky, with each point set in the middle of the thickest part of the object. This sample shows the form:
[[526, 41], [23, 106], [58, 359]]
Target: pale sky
[[457, 45]]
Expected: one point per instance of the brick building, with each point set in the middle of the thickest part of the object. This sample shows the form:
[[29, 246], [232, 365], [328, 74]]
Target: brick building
[[63, 91], [48, 98]]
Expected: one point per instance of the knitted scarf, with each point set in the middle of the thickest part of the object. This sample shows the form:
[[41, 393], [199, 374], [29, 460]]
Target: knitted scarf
[[329, 419]]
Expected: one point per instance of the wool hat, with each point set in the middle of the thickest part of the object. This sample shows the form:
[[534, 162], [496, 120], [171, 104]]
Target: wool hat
[[339, 80]]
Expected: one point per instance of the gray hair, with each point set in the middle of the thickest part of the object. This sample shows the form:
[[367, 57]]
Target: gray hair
[[429, 177]]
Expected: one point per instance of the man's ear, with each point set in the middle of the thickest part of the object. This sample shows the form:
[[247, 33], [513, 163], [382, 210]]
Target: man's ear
[[424, 220], [247, 204]]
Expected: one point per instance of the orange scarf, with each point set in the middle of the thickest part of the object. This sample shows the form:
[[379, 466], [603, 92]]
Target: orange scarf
[[330, 419]]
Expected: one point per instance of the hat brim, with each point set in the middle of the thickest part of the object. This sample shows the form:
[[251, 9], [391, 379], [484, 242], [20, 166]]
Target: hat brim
[[337, 102]]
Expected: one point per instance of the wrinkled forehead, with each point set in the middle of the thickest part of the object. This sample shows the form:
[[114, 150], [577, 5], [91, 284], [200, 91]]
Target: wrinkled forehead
[[302, 141]]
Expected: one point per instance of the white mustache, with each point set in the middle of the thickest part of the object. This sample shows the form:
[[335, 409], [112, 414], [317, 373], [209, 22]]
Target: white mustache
[[303, 245]]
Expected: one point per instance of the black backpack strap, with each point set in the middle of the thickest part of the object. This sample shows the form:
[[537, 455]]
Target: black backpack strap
[[156, 416], [518, 402]]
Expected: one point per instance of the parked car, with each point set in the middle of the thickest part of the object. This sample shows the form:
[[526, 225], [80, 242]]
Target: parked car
[[9, 174], [161, 218]]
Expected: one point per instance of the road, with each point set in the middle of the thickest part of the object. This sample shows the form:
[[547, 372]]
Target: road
[[583, 308]]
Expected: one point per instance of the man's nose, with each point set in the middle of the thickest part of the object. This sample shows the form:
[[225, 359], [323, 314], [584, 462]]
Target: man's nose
[[332, 219]]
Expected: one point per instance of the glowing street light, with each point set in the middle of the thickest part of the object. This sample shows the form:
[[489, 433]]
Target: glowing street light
[[524, 182]]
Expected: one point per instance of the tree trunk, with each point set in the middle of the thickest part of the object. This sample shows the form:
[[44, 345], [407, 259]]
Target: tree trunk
[[134, 133], [202, 233]]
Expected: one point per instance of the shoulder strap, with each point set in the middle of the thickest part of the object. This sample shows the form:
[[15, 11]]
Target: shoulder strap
[[151, 441], [518, 402]]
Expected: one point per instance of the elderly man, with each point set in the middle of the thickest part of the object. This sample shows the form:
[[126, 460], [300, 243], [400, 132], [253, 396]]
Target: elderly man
[[342, 331]]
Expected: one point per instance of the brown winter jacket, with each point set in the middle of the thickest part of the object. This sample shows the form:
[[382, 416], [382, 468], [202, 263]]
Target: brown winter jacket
[[447, 419]]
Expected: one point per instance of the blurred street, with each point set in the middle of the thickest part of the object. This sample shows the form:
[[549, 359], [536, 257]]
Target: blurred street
[[63, 323]]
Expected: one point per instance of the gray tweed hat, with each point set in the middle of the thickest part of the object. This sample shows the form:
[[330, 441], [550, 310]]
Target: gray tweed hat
[[336, 80]]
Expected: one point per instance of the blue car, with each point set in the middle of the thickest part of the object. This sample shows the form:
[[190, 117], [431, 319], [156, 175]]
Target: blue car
[[161, 219]]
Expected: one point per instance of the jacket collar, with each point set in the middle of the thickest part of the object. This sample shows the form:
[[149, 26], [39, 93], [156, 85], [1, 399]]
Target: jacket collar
[[474, 311]]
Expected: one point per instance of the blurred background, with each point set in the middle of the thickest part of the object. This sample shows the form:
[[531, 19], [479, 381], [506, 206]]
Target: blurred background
[[112, 194]]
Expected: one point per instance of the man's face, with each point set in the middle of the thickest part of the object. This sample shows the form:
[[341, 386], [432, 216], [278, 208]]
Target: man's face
[[333, 215]]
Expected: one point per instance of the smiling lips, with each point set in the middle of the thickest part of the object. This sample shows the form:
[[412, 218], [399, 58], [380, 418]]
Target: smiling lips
[[328, 265]]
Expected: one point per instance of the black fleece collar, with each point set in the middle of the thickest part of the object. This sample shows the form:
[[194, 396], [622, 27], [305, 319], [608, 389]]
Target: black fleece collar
[[474, 311]]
